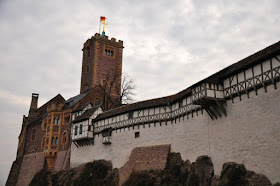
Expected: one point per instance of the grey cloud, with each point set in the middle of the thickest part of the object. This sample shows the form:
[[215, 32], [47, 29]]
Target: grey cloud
[[168, 46]]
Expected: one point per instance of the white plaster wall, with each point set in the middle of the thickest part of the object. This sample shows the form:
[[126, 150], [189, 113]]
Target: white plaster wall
[[250, 134]]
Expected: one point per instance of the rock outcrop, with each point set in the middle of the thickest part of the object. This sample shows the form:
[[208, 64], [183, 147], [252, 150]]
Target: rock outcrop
[[176, 173]]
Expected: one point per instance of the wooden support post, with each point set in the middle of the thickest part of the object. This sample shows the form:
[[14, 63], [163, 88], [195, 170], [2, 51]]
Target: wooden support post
[[254, 81]]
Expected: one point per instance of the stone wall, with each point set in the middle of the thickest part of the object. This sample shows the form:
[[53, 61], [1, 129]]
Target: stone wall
[[145, 158], [31, 164], [62, 160], [249, 135]]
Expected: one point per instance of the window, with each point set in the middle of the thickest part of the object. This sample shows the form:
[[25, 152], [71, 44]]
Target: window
[[137, 134], [109, 51], [76, 130], [33, 134], [64, 138], [56, 120], [89, 128], [54, 140], [44, 124], [97, 101], [87, 68], [81, 129]]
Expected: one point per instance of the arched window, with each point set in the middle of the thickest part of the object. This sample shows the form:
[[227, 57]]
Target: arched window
[[64, 138], [58, 120], [87, 68], [53, 141]]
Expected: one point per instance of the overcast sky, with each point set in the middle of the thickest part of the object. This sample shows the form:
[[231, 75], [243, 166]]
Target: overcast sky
[[169, 45]]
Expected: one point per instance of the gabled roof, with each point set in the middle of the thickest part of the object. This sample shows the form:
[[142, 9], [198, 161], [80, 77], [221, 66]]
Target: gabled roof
[[43, 109], [250, 61], [82, 106], [72, 101], [86, 115], [164, 101]]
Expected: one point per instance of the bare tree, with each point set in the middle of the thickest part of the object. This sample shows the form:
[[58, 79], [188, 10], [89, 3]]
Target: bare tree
[[126, 92], [127, 89]]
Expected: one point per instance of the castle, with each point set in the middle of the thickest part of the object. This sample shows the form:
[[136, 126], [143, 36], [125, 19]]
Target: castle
[[232, 115]]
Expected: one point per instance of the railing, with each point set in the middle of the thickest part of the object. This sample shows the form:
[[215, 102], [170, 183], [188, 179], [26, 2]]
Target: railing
[[254, 82], [149, 119]]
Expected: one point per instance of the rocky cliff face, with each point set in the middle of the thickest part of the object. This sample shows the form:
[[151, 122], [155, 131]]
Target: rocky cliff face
[[176, 172]]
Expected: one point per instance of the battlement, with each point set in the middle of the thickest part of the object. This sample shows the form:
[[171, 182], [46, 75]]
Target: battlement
[[106, 39]]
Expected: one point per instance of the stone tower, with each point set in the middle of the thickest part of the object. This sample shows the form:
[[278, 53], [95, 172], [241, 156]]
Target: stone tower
[[102, 64]]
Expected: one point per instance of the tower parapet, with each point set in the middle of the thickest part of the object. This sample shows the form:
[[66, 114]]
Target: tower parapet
[[102, 64]]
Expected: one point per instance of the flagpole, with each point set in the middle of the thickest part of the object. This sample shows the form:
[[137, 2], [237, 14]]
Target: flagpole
[[99, 24]]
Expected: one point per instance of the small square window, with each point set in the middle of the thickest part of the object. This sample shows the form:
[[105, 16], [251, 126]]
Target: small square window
[[137, 134]]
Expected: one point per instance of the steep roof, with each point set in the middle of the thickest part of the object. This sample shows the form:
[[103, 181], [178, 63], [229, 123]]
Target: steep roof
[[247, 62], [86, 115], [82, 106], [72, 101]]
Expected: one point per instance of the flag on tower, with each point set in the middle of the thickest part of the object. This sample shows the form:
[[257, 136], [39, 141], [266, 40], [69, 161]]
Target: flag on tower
[[102, 19]]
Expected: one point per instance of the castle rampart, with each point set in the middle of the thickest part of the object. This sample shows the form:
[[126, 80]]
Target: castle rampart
[[232, 115]]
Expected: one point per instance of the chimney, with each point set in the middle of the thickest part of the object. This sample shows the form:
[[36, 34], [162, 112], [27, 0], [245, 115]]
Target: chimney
[[34, 103]]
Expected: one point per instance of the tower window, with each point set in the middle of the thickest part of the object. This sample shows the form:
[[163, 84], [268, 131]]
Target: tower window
[[109, 51], [87, 68]]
